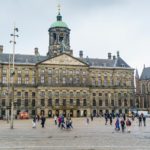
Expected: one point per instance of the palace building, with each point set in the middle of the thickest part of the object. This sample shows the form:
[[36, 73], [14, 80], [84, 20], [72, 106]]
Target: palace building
[[60, 83]]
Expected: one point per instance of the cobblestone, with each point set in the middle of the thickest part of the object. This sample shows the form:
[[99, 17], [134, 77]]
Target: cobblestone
[[95, 136]]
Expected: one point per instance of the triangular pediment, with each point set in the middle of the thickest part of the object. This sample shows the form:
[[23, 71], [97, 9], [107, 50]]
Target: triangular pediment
[[64, 59]]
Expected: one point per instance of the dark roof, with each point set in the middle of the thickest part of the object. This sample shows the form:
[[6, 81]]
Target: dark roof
[[93, 62], [99, 62], [22, 59], [145, 73], [121, 63]]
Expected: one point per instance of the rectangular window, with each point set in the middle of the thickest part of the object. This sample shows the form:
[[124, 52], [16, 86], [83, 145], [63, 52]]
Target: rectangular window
[[57, 102], [19, 80], [26, 102], [78, 102], [33, 102], [42, 79], [26, 80], [49, 71], [94, 94], [71, 102], [4, 80], [50, 102], [3, 102], [105, 81], [33, 80], [100, 94], [33, 94], [18, 93], [119, 102], [100, 102], [19, 72], [64, 102], [18, 102], [4, 71], [11, 79], [26, 94], [84, 102], [42, 94], [42, 102], [112, 102], [64, 80], [99, 82], [94, 102]]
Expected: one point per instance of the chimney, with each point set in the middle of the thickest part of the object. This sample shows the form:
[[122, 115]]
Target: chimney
[[109, 55], [114, 57], [1, 49], [118, 54], [81, 54], [36, 51]]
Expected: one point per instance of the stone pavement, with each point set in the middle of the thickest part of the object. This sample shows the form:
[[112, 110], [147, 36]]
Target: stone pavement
[[95, 136]]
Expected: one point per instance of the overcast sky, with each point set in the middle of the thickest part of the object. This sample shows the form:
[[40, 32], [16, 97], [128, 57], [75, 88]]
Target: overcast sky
[[97, 27]]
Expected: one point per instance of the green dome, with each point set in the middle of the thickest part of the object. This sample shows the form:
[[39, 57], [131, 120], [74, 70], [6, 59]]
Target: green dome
[[59, 24]]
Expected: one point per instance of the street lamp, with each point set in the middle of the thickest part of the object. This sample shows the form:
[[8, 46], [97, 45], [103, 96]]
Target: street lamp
[[13, 41]]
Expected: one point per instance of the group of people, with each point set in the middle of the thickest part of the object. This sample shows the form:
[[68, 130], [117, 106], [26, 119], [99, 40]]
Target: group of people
[[61, 121], [108, 116], [123, 124], [36, 119]]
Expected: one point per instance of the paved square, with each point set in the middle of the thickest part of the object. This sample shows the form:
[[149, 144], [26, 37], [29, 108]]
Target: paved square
[[95, 136]]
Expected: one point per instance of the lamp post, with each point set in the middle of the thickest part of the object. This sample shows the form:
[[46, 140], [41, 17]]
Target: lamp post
[[13, 41]]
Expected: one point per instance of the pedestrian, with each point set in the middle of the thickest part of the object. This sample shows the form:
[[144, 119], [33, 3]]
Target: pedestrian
[[34, 122], [110, 118], [122, 122], [43, 119], [128, 124], [144, 120], [55, 119], [91, 117], [87, 120], [59, 121], [117, 124], [106, 118], [140, 120], [70, 121]]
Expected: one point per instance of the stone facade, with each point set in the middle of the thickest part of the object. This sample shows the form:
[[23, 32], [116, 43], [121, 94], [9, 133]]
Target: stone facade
[[61, 83], [143, 90]]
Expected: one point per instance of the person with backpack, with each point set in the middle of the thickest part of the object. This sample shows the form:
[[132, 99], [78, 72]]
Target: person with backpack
[[122, 122], [43, 119], [128, 124]]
